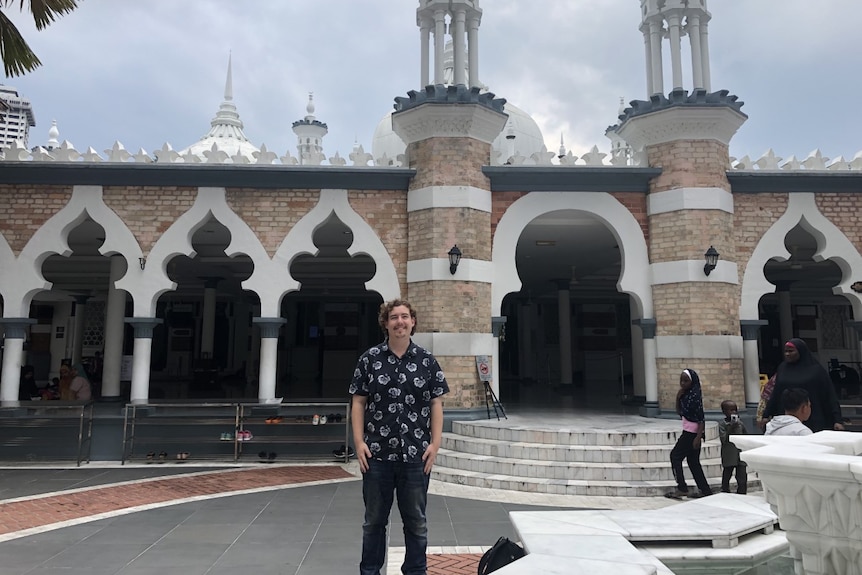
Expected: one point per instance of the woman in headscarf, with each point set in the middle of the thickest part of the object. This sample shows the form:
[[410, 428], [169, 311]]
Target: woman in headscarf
[[800, 369], [689, 405], [74, 385], [27, 388]]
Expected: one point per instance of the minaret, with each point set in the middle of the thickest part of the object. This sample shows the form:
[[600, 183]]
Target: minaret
[[461, 18], [674, 19], [448, 131], [690, 207], [310, 132]]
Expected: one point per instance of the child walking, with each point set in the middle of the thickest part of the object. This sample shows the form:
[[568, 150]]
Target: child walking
[[730, 461], [689, 405]]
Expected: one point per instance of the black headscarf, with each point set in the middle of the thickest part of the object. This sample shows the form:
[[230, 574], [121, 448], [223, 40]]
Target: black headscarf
[[690, 405], [808, 374]]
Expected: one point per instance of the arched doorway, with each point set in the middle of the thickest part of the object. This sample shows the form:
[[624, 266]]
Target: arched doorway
[[331, 320], [568, 334]]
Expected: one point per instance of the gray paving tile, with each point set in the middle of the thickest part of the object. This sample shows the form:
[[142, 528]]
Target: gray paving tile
[[181, 554], [98, 557], [225, 533]]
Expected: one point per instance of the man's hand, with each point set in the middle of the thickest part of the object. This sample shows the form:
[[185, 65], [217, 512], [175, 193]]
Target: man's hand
[[363, 454], [429, 457]]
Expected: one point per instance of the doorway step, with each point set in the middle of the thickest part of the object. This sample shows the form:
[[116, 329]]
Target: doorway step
[[603, 455]]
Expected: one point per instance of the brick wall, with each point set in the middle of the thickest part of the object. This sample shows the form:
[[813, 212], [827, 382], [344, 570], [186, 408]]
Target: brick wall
[[465, 388], [696, 308], [271, 214], [686, 235], [386, 212], [720, 379], [689, 164], [149, 211], [843, 210], [451, 307], [753, 215], [25, 209], [434, 231], [449, 162]]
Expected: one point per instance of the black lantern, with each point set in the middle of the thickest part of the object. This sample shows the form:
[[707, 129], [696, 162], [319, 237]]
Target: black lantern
[[454, 259], [711, 257]]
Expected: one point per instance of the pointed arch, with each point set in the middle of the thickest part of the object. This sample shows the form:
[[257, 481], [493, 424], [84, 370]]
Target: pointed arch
[[634, 276], [832, 245], [147, 285], [52, 238], [365, 241]]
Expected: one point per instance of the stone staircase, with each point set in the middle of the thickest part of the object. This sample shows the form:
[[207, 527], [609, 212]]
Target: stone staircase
[[605, 460]]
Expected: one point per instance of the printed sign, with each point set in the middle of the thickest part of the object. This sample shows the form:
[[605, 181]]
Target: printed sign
[[483, 366]]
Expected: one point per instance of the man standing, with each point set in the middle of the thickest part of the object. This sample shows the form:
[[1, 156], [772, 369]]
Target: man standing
[[397, 425]]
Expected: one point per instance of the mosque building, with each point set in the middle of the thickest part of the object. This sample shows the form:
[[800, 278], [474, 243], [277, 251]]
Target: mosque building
[[224, 270]]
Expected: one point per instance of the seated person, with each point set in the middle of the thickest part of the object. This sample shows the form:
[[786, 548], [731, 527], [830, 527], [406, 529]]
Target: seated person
[[27, 388], [797, 409]]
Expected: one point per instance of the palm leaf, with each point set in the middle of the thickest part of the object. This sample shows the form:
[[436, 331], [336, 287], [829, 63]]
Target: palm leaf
[[17, 56], [46, 11]]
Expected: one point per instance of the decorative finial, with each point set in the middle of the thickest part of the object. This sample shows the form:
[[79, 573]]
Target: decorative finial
[[228, 85], [53, 136], [310, 107], [562, 147]]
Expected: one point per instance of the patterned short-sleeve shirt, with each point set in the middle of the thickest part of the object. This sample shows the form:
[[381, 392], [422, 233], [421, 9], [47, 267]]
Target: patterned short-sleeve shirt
[[398, 408]]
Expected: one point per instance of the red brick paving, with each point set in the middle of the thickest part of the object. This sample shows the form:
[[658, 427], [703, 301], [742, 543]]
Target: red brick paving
[[455, 564], [41, 511]]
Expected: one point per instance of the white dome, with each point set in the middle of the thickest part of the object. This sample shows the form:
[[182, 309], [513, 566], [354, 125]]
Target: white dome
[[386, 141], [528, 137]]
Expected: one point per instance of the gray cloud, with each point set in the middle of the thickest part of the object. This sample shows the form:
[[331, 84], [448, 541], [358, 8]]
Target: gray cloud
[[146, 73]]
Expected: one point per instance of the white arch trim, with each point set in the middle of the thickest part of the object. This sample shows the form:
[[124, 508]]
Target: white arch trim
[[635, 275], [365, 241], [24, 274], [147, 285], [832, 244]]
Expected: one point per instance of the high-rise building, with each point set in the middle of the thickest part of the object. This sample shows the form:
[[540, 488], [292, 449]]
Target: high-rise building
[[17, 117]]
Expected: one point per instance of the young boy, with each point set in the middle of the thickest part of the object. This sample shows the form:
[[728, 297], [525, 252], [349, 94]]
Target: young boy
[[797, 409], [731, 425]]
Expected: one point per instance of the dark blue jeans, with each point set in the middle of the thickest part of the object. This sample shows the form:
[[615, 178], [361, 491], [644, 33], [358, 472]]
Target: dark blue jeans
[[410, 483]]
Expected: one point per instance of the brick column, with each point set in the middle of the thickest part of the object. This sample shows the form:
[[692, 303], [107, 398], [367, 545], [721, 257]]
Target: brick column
[[449, 134], [690, 208]]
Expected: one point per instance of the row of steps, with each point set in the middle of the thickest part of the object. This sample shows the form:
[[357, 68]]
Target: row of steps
[[566, 460]]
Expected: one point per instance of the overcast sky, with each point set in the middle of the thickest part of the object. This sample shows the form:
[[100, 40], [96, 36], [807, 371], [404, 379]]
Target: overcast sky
[[145, 73]]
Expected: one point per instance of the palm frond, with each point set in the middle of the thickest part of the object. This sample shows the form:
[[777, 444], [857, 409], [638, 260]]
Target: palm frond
[[17, 56], [46, 11]]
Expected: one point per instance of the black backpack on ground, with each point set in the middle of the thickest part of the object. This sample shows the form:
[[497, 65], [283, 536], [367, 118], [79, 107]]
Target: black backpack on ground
[[502, 553]]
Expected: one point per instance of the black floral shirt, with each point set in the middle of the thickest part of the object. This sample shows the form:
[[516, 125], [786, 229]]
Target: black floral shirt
[[398, 408]]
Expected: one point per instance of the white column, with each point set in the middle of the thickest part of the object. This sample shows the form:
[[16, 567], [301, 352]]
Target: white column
[[675, 50], [424, 50], [648, 55], [647, 327], [565, 321], [115, 311], [208, 320], [655, 30], [751, 361], [439, 44], [473, 50], [704, 57], [269, 327], [696, 58], [638, 382], [785, 314], [526, 365], [14, 333], [498, 324], [78, 328], [141, 359], [459, 52]]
